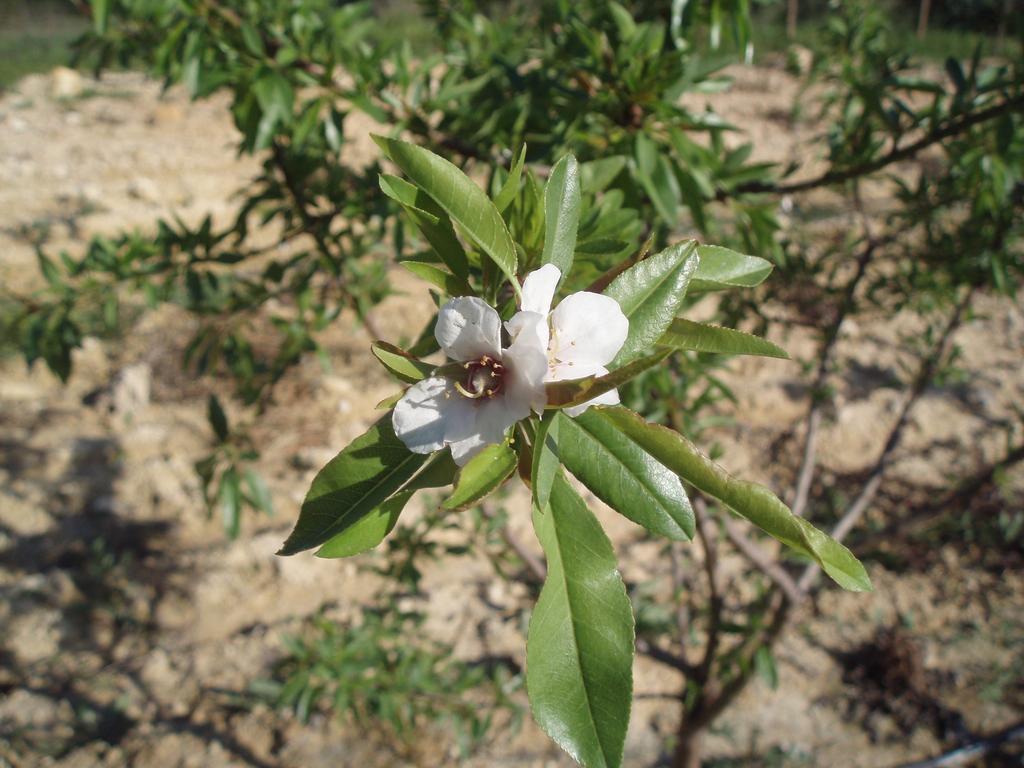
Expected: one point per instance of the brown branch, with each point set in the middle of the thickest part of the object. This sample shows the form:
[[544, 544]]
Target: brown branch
[[716, 604], [970, 752], [678, 585], [925, 373], [952, 128], [763, 561], [805, 476]]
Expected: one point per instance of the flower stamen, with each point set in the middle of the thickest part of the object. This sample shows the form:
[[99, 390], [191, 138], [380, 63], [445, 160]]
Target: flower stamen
[[484, 378]]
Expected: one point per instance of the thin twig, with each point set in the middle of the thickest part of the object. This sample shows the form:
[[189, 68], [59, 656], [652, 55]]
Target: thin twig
[[951, 128], [925, 373], [763, 561], [716, 604], [669, 659], [538, 571], [971, 752], [678, 586], [805, 476]]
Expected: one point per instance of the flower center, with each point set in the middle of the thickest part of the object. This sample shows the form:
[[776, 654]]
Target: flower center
[[484, 378]]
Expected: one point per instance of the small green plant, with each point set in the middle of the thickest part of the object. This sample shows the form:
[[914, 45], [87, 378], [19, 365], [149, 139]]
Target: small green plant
[[383, 673]]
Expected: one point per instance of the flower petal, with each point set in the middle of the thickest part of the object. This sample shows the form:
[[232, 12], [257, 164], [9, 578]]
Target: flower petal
[[467, 328], [539, 289], [531, 322], [420, 417], [489, 422], [527, 364], [587, 329]]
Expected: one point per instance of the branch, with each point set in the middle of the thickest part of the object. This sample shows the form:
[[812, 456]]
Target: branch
[[764, 562], [951, 128], [971, 752], [925, 373], [716, 604], [805, 476]]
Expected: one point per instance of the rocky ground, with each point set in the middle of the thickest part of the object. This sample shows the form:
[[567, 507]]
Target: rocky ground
[[133, 629]]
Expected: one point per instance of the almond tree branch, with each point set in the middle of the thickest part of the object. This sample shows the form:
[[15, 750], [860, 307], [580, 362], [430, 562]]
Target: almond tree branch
[[951, 128], [763, 561], [716, 605], [926, 371], [805, 476], [968, 753]]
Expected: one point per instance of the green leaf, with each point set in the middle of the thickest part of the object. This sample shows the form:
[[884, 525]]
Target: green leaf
[[438, 277], [562, 202], [275, 96], [365, 474], [460, 198], [370, 529], [721, 269], [510, 188], [579, 652], [749, 500], [484, 473], [699, 337], [656, 177], [650, 294], [400, 363], [217, 418], [623, 475], [230, 498], [100, 15], [564, 394], [546, 461], [257, 491], [595, 175], [431, 221]]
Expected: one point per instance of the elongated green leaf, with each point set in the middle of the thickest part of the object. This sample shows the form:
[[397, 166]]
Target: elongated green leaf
[[650, 293], [370, 529], [656, 177], [721, 269], [460, 198], [579, 652], [484, 473], [595, 175], [257, 492], [562, 202], [362, 476], [510, 188], [700, 337], [624, 475], [400, 363], [438, 277], [100, 14], [546, 461], [564, 394], [431, 221], [217, 418], [230, 497], [754, 502]]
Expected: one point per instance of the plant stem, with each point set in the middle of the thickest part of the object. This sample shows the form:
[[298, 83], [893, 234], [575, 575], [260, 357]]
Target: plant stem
[[952, 128], [925, 373]]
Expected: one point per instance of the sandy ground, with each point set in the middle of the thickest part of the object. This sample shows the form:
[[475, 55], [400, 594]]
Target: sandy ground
[[131, 626]]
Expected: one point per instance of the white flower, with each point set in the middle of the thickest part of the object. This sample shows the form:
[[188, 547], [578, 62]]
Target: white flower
[[582, 335], [497, 389], [499, 386]]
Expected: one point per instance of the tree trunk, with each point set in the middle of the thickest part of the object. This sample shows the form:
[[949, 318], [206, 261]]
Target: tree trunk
[[922, 18], [688, 748], [791, 13]]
